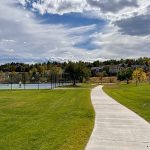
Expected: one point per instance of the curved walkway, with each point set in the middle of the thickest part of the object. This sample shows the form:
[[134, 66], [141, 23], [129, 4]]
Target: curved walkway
[[116, 127]]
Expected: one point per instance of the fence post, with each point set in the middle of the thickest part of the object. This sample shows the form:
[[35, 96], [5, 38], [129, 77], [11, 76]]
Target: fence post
[[55, 80], [51, 80], [65, 78], [11, 81], [59, 79], [38, 81], [24, 80], [62, 79]]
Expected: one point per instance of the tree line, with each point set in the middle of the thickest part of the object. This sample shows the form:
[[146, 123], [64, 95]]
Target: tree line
[[80, 71], [21, 67]]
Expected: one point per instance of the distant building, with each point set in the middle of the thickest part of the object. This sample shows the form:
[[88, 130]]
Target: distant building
[[96, 70], [144, 67], [114, 69]]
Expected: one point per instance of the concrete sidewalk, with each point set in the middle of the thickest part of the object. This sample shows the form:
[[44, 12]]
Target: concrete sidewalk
[[116, 127]]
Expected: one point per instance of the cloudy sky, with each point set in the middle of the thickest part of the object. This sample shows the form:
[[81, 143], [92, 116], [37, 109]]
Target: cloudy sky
[[41, 30]]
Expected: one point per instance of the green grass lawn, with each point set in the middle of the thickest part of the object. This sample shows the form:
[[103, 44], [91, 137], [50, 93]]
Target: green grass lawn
[[136, 98], [45, 120]]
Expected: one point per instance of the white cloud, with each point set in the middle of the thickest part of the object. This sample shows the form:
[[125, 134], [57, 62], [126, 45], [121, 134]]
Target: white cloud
[[25, 38], [112, 44], [112, 10], [28, 38]]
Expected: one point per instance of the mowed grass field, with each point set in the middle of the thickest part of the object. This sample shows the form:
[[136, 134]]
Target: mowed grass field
[[136, 98], [45, 119]]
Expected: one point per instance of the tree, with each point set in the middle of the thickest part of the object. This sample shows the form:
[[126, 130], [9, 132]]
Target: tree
[[40, 69], [56, 70], [82, 71], [96, 63], [125, 74], [148, 63], [77, 71], [139, 75], [148, 74], [128, 75]]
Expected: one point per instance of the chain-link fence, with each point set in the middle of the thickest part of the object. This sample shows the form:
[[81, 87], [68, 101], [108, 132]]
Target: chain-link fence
[[25, 80]]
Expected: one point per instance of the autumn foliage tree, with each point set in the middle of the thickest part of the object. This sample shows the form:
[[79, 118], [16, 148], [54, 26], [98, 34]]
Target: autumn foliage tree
[[139, 75]]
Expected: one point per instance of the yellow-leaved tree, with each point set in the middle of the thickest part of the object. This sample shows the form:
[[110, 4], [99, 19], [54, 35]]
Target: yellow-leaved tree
[[139, 75]]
